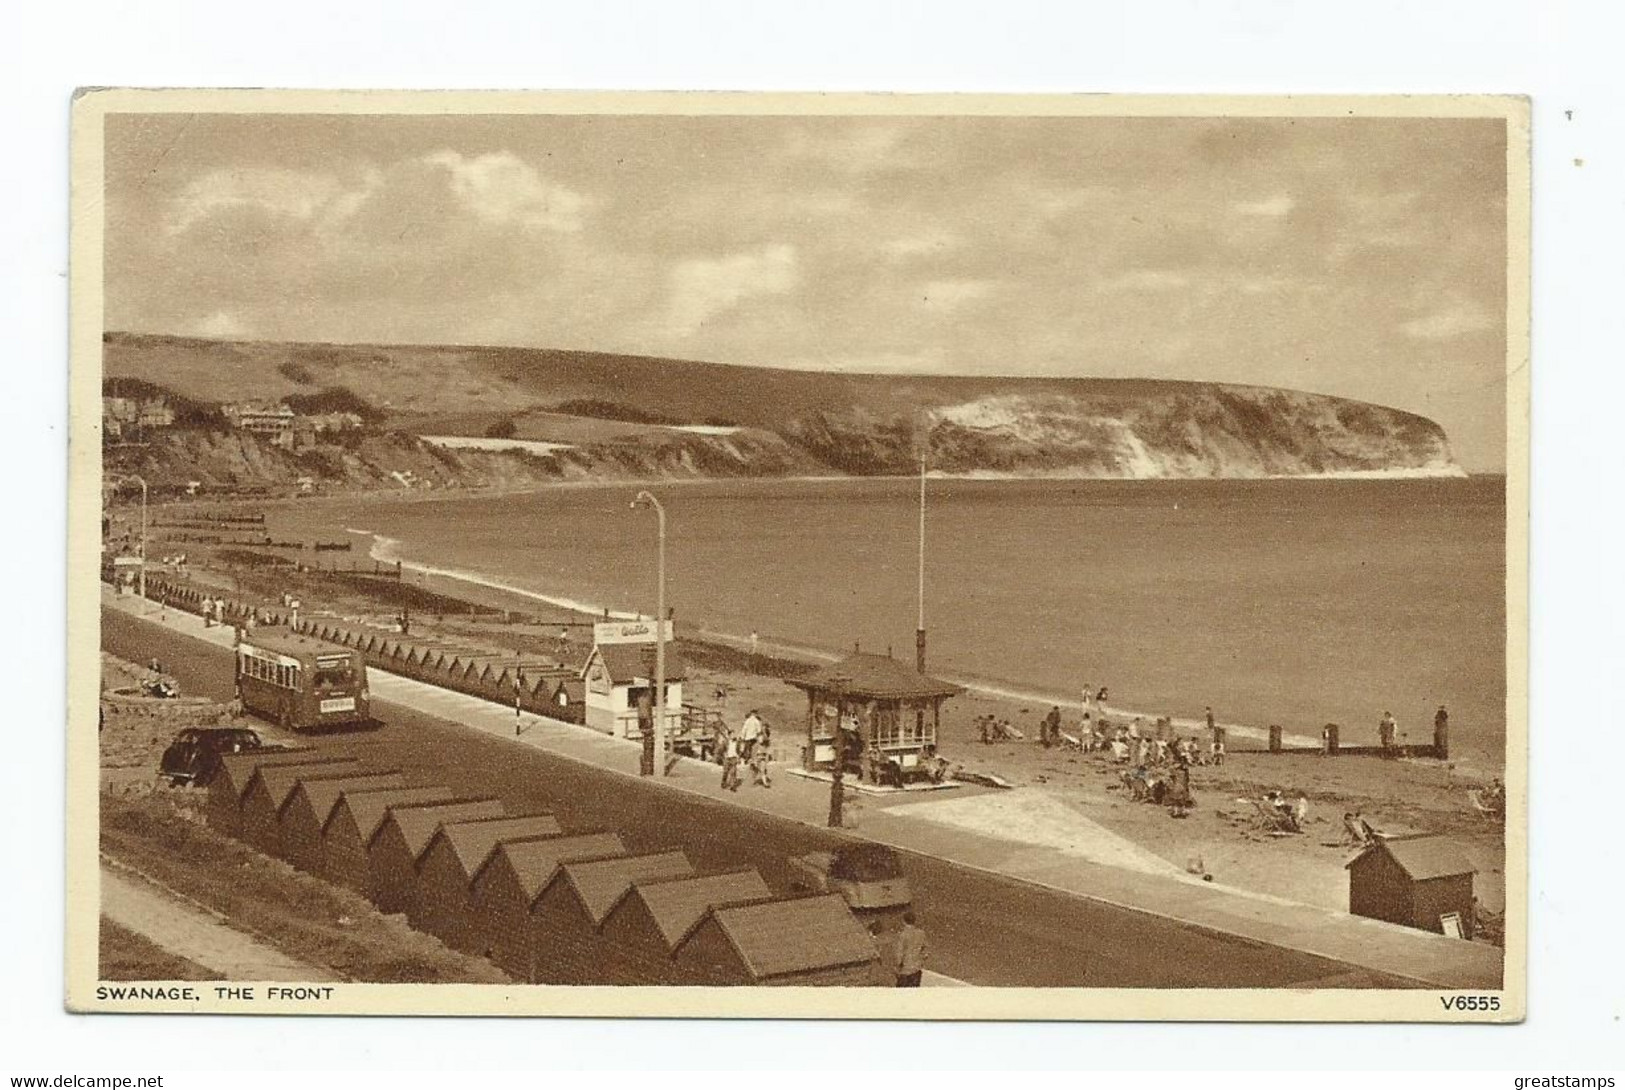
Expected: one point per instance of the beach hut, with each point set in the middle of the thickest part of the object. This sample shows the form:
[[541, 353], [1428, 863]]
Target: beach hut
[[355, 820], [447, 867], [236, 769], [1424, 882], [643, 931], [571, 907], [505, 889], [259, 821], [892, 706], [305, 814], [616, 676], [800, 941], [393, 852]]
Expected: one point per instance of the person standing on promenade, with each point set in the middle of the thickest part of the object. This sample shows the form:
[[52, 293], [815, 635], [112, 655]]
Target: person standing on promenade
[[750, 734], [730, 764], [761, 761], [910, 953]]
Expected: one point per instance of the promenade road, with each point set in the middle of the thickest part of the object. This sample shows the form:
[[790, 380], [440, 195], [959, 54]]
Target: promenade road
[[1056, 921]]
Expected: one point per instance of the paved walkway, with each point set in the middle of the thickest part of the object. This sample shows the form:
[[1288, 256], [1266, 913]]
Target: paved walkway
[[194, 933], [907, 823]]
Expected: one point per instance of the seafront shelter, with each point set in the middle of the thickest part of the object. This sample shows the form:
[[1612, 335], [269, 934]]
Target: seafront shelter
[[881, 703]]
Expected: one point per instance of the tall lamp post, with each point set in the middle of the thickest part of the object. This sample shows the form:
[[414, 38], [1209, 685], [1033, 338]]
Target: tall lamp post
[[837, 788], [646, 499]]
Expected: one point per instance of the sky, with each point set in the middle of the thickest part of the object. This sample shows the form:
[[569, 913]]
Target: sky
[[1359, 257]]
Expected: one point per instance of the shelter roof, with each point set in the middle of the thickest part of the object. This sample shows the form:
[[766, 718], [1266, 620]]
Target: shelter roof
[[875, 677]]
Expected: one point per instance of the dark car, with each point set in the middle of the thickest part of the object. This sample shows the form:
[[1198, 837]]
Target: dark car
[[194, 756]]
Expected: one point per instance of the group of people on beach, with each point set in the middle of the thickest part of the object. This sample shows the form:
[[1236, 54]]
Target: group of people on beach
[[750, 746]]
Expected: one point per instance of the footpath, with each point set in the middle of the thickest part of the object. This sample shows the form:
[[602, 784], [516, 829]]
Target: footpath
[[1094, 865], [200, 936]]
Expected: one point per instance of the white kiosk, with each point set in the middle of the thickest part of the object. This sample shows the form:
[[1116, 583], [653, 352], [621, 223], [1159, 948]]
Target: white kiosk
[[621, 669]]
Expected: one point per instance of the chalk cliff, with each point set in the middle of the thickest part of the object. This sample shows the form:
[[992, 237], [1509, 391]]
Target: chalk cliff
[[469, 417]]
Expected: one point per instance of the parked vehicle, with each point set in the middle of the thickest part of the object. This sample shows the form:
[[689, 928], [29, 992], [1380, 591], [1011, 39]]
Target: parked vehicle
[[194, 756], [300, 682], [869, 876]]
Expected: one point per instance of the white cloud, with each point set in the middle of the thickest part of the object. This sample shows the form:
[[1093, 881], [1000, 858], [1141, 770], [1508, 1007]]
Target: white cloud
[[503, 189], [949, 295], [702, 288], [1278, 205], [1457, 319], [295, 194]]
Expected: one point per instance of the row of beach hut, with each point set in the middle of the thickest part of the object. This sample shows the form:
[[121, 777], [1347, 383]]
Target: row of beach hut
[[539, 685], [546, 905]]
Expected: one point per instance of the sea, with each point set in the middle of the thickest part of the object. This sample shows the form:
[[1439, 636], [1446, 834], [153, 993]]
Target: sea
[[1291, 602]]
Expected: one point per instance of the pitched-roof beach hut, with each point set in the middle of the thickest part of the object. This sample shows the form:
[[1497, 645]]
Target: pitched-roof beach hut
[[570, 909], [801, 941], [505, 889], [355, 821], [236, 769], [645, 928], [268, 788], [393, 852], [305, 814], [446, 870]]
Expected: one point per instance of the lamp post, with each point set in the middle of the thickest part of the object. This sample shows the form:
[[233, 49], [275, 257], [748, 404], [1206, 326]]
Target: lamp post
[[646, 499], [837, 787]]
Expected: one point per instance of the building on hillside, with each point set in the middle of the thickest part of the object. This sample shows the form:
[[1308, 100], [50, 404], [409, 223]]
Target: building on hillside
[[124, 415], [261, 811], [226, 790], [355, 820], [619, 673], [446, 869], [799, 941], [645, 928], [272, 423], [1424, 882], [570, 909], [305, 813], [504, 891], [393, 852], [884, 704]]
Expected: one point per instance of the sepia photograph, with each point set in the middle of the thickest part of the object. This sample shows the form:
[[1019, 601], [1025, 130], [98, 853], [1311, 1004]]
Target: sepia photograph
[[877, 556]]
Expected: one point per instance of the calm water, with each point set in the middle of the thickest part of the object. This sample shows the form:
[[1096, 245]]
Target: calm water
[[1293, 602]]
